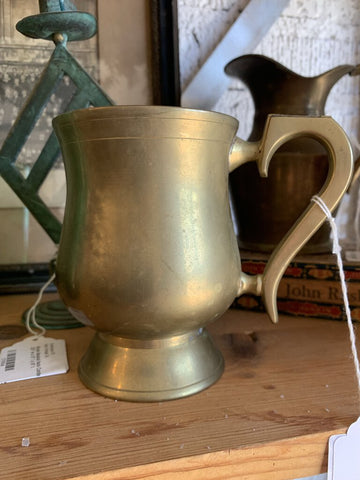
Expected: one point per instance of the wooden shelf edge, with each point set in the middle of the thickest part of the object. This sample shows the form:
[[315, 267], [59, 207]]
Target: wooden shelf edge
[[301, 457]]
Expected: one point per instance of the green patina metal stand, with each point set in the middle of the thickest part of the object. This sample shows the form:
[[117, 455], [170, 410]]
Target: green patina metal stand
[[60, 22], [60, 26]]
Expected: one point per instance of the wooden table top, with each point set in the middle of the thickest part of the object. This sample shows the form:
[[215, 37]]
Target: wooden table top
[[286, 388]]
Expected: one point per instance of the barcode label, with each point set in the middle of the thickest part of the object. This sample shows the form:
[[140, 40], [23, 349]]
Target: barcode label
[[33, 357], [10, 360]]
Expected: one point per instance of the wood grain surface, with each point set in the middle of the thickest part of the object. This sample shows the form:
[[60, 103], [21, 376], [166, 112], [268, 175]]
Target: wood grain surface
[[286, 388]]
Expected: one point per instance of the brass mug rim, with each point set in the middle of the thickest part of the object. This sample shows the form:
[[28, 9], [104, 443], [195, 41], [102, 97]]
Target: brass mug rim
[[153, 111]]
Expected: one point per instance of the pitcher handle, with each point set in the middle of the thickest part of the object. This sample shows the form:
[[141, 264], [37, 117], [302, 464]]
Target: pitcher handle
[[278, 130]]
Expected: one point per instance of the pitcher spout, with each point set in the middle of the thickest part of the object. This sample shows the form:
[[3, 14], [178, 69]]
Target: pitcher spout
[[325, 81]]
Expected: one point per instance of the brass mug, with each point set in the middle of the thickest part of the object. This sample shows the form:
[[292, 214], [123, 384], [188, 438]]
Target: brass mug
[[148, 255]]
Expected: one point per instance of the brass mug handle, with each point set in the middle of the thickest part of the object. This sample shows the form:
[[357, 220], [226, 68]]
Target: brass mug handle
[[278, 130]]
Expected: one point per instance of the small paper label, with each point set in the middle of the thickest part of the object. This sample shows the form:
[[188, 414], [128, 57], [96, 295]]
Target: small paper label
[[33, 357], [344, 454]]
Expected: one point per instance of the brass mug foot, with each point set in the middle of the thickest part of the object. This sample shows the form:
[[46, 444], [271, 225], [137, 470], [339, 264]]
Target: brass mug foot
[[151, 370]]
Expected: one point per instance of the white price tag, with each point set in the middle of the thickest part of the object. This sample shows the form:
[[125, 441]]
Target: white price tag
[[33, 357], [344, 454]]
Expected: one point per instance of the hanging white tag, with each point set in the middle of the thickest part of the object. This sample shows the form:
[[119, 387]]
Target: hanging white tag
[[35, 356], [344, 454]]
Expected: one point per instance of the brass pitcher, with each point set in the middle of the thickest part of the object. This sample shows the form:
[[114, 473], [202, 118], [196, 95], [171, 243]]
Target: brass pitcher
[[148, 255], [266, 209]]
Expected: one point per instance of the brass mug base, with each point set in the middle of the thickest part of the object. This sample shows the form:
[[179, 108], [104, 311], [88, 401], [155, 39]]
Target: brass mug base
[[151, 370]]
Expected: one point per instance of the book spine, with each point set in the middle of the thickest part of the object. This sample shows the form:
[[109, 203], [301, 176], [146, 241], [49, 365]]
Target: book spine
[[310, 290]]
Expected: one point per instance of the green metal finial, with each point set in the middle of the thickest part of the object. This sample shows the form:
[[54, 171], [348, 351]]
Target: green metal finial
[[55, 5], [58, 17]]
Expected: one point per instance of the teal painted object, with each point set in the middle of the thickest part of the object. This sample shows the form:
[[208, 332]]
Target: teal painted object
[[76, 25], [58, 17], [55, 5], [88, 92]]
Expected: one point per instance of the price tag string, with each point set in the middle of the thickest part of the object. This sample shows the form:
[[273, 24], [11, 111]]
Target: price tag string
[[31, 313], [337, 251]]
